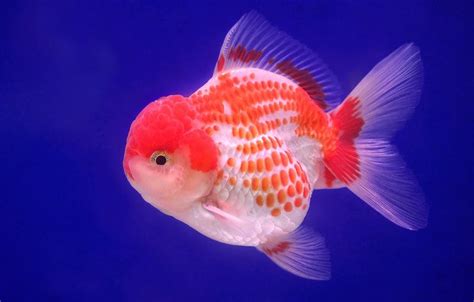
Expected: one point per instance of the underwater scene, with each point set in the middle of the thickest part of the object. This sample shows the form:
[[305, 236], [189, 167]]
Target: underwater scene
[[236, 151]]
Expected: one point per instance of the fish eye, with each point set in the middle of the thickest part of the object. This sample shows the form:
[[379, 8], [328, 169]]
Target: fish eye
[[159, 158]]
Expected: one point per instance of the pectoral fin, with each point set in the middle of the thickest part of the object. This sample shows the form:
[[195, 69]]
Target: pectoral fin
[[301, 252], [221, 214]]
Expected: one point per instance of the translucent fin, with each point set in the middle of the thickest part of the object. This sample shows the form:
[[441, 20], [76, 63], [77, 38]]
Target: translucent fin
[[301, 252], [388, 186], [362, 158], [390, 92], [253, 42]]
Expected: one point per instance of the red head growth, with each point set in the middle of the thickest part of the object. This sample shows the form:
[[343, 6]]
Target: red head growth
[[166, 125]]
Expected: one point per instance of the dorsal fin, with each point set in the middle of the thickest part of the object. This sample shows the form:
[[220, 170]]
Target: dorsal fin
[[253, 42]]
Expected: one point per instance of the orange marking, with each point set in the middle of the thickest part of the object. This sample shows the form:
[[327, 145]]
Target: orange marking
[[304, 178], [268, 164], [299, 187], [283, 177], [231, 162], [291, 191], [275, 181], [292, 175], [298, 202], [288, 207], [290, 158], [257, 84], [305, 192], [281, 196], [220, 175], [259, 200], [253, 131], [276, 212], [266, 143], [232, 181], [284, 159], [243, 166], [235, 119], [265, 184], [260, 165], [244, 118], [255, 183], [250, 87], [270, 200], [275, 158], [252, 166], [253, 148], [241, 132], [246, 183], [298, 169]]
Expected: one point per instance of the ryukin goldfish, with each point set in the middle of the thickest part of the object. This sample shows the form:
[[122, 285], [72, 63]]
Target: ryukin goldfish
[[240, 158]]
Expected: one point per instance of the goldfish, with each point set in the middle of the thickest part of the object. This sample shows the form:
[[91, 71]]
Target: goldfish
[[240, 158]]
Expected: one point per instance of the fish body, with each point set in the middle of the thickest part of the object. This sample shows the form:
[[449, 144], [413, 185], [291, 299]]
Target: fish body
[[239, 159], [253, 116]]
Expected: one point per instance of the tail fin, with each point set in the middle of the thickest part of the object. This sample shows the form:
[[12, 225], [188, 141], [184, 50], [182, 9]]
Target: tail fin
[[361, 157]]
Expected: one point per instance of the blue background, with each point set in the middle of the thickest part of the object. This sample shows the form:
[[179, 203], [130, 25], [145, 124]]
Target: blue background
[[74, 74]]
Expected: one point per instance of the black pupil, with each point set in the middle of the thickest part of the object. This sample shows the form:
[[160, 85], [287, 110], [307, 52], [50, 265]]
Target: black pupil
[[160, 160]]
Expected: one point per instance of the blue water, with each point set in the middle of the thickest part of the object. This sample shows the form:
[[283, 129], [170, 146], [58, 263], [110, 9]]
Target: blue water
[[74, 75]]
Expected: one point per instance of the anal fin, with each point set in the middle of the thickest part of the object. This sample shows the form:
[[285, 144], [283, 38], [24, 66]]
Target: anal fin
[[301, 252]]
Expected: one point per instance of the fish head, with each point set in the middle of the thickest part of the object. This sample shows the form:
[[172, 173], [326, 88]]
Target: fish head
[[169, 159]]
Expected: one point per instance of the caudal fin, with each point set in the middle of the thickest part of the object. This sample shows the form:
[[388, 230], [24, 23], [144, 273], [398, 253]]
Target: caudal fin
[[361, 157]]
